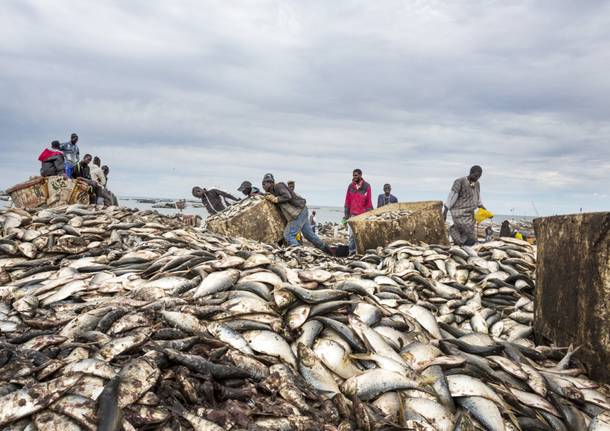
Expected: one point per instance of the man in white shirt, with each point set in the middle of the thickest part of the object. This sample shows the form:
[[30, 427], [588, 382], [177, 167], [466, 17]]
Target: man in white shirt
[[97, 174]]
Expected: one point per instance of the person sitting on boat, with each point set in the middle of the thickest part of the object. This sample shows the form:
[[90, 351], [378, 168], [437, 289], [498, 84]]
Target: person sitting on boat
[[113, 198], [52, 161], [97, 174], [82, 172]]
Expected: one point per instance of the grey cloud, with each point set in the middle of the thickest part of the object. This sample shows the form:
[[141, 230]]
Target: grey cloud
[[183, 93]]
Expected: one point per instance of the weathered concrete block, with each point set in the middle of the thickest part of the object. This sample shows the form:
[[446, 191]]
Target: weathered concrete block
[[424, 223], [573, 286], [254, 218]]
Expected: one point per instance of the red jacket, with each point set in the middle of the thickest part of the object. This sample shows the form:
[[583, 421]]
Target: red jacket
[[47, 153], [358, 200]]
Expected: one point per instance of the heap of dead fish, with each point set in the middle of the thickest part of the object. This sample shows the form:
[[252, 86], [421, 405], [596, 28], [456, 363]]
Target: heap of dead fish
[[389, 215], [121, 319], [333, 231], [236, 208]]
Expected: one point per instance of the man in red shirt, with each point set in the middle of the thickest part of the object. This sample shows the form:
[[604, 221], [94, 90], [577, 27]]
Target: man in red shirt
[[357, 201]]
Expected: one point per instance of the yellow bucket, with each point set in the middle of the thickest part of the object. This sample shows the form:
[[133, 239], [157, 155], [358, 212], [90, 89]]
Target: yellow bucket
[[482, 214]]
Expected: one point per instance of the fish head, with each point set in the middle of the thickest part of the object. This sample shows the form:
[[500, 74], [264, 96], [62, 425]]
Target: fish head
[[306, 355]]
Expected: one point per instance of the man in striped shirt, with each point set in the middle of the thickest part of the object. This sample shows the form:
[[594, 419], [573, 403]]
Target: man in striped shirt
[[463, 200]]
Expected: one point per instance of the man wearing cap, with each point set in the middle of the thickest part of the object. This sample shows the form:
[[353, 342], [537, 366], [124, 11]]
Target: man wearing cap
[[291, 185], [71, 154], [214, 200], [247, 189], [294, 209]]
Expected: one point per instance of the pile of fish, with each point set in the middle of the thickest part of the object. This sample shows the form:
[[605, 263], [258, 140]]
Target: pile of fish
[[333, 231], [389, 215], [122, 319], [236, 208]]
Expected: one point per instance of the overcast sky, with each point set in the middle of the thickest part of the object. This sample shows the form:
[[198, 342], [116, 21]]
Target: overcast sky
[[182, 93]]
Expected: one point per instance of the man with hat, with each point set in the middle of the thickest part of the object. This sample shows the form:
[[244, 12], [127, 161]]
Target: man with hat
[[294, 209], [247, 189], [71, 154]]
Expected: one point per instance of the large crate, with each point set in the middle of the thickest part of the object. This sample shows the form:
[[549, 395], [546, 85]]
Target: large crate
[[261, 221], [79, 193], [29, 194], [424, 224], [573, 286], [49, 192]]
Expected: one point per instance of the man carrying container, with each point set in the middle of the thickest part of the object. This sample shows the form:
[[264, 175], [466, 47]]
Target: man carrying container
[[294, 210]]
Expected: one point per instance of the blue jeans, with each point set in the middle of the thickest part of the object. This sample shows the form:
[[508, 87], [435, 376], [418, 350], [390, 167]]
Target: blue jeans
[[69, 168], [352, 240], [301, 223]]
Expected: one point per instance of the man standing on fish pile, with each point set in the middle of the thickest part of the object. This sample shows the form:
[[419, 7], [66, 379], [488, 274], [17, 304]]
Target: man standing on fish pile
[[295, 212], [463, 200], [71, 154], [81, 171], [214, 200], [357, 201], [52, 161], [247, 189], [386, 198]]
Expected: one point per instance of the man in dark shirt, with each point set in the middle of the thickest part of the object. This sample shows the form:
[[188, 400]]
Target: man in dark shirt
[[214, 200], [294, 209], [52, 161], [387, 197], [247, 189], [81, 171], [113, 198]]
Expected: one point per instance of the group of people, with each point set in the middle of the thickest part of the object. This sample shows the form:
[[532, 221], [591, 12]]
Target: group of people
[[63, 159], [463, 201], [294, 207], [300, 223]]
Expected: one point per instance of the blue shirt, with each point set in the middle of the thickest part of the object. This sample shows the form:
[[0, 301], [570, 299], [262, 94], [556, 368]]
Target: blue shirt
[[71, 152], [384, 200]]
